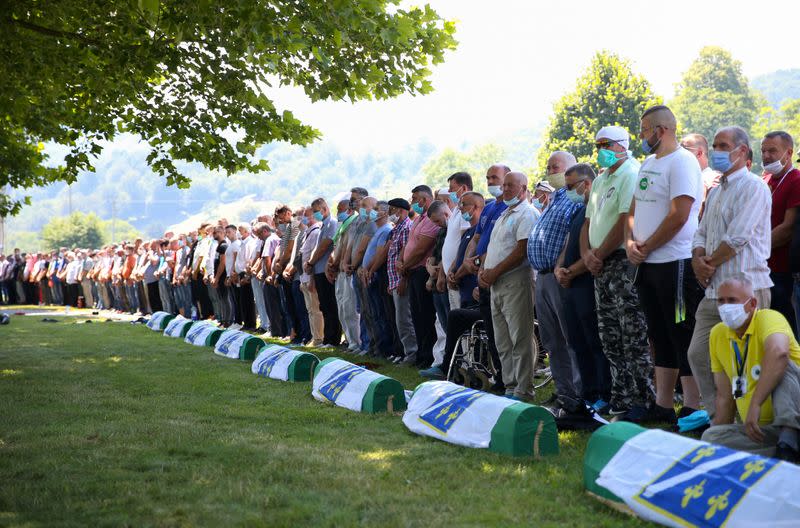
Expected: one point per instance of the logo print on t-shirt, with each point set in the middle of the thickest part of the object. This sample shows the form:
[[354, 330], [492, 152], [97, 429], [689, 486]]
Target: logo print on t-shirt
[[608, 195], [644, 183]]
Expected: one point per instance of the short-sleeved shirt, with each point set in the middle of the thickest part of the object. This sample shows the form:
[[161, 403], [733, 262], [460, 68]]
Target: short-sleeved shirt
[[610, 197], [785, 195], [489, 216], [550, 230], [221, 249], [307, 248], [661, 180], [289, 233], [441, 237], [397, 242], [358, 232], [514, 224], [234, 246], [572, 250], [723, 357], [380, 238], [326, 232], [421, 227], [456, 225], [271, 244]]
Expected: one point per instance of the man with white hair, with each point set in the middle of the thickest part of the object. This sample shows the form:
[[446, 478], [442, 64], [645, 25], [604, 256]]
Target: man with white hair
[[542, 193], [246, 296], [621, 323], [733, 237], [507, 274], [658, 238], [544, 246], [557, 164], [756, 364]]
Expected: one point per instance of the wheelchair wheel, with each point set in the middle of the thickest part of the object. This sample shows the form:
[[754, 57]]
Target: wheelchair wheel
[[541, 374]]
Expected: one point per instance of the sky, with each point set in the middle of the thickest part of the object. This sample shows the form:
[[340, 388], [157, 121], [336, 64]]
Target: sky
[[516, 58]]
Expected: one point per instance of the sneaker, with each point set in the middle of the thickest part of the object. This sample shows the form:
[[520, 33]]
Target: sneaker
[[498, 387], [435, 372], [407, 361], [658, 413], [550, 401], [786, 453], [686, 411], [616, 411], [601, 406], [326, 345], [636, 414], [398, 360]]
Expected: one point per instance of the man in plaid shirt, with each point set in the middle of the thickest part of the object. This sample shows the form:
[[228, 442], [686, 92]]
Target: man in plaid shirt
[[398, 287], [544, 246]]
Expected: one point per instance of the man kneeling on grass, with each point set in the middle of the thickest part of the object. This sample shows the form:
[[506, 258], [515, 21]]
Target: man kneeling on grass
[[756, 364]]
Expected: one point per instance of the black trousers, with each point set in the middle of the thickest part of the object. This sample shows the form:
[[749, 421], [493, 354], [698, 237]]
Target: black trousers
[[71, 292], [382, 278], [247, 306], [201, 299], [423, 315], [288, 305], [581, 327], [458, 321], [273, 301], [330, 311], [485, 307], [154, 296], [781, 294]]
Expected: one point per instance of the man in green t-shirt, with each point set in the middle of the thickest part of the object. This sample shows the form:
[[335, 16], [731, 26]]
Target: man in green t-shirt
[[621, 323]]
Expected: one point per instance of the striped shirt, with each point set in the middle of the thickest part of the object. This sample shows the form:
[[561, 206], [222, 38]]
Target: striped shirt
[[547, 237], [397, 241], [737, 213]]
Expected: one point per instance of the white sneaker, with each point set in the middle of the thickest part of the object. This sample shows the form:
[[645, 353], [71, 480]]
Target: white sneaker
[[235, 326]]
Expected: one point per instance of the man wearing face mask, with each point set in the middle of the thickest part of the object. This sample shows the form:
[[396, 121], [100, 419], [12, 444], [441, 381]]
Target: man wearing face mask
[[733, 237], [373, 277], [459, 184], [756, 364], [507, 274], [621, 323], [658, 234], [397, 284], [542, 194], [362, 233], [784, 183], [544, 245], [317, 264], [557, 164], [577, 296]]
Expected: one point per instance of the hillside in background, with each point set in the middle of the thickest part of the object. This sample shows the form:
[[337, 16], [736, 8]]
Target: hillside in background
[[124, 187], [778, 86]]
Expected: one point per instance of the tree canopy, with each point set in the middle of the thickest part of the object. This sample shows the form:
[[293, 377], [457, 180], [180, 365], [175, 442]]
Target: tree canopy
[[714, 93], [609, 93], [193, 78], [76, 230]]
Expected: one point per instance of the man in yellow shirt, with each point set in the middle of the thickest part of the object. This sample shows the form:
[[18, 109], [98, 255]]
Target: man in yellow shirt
[[756, 364]]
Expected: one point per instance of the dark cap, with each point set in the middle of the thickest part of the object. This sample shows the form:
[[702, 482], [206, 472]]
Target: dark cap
[[400, 203]]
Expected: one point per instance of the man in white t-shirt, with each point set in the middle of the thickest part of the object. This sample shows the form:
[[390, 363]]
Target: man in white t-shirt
[[661, 224], [458, 184], [232, 278]]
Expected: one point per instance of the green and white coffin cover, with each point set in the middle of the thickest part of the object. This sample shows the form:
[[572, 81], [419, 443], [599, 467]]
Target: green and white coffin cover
[[158, 321], [678, 481], [356, 388], [281, 363], [178, 327], [472, 418], [238, 345], [203, 333]]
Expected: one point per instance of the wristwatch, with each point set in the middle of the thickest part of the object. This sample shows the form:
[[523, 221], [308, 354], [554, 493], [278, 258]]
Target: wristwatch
[[477, 261]]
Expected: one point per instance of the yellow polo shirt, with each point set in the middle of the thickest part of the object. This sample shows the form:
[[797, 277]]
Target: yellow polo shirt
[[723, 358]]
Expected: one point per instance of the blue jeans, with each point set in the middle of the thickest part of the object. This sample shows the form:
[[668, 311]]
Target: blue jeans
[[301, 313], [441, 303], [384, 331]]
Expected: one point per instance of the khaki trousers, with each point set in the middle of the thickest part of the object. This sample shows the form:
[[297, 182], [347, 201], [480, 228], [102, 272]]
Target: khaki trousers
[[314, 314]]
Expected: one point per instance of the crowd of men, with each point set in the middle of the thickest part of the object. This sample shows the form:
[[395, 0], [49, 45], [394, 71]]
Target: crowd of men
[[645, 279]]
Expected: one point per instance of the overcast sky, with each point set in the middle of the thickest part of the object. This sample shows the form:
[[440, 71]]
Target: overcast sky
[[517, 57]]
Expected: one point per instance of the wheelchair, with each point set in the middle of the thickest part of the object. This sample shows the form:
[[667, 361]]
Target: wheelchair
[[472, 366]]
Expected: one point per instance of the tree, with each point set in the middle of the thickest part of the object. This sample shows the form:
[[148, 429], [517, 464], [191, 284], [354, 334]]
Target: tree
[[76, 230], [116, 230], [475, 161], [192, 78], [714, 93], [609, 93]]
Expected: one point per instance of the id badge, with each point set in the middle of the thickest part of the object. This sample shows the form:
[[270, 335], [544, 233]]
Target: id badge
[[739, 386]]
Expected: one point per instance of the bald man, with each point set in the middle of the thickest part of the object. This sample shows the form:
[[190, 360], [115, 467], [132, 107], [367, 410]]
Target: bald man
[[507, 274], [661, 223], [697, 144], [621, 323]]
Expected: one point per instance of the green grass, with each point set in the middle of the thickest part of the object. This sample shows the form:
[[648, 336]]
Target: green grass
[[110, 424]]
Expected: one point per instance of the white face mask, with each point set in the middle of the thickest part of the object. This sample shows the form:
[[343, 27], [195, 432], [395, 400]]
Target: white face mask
[[774, 168], [495, 190], [393, 219], [733, 315]]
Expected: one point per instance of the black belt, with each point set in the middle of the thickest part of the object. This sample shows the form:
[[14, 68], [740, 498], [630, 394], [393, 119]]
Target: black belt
[[545, 271], [617, 254]]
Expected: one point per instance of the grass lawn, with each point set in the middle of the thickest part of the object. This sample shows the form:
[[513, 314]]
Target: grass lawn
[[110, 424]]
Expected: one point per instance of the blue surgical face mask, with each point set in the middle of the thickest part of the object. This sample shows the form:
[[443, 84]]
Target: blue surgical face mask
[[417, 208], [512, 202], [373, 215], [362, 212], [647, 147], [573, 195], [721, 160], [495, 190], [454, 197], [342, 216], [466, 216], [318, 216], [304, 220], [537, 204]]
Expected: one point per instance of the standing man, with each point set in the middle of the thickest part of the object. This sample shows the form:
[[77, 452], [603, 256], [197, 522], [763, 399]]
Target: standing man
[[544, 245], [397, 284], [661, 223], [316, 266], [621, 323], [784, 183], [372, 274], [508, 276], [733, 237], [697, 144], [307, 287], [345, 293], [458, 184], [411, 265], [261, 231]]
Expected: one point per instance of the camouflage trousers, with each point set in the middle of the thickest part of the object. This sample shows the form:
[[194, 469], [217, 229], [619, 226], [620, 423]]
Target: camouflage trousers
[[623, 333]]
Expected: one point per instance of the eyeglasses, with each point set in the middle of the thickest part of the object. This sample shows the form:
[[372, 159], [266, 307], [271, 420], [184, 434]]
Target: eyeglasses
[[605, 144], [575, 185]]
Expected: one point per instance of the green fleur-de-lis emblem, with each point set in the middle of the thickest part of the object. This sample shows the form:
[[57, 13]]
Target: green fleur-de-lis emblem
[[756, 466], [644, 183], [692, 492], [717, 503]]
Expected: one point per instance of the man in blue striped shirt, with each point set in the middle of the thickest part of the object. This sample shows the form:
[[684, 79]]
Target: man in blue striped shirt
[[544, 246]]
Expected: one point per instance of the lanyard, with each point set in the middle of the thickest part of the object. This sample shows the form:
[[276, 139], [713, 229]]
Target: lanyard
[[740, 362], [781, 180]]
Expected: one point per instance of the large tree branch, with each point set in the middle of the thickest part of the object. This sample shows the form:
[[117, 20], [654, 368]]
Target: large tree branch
[[52, 32]]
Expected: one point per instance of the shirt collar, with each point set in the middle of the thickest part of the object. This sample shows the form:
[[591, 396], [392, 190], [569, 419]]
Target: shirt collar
[[734, 175]]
